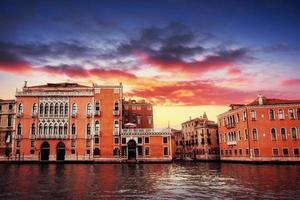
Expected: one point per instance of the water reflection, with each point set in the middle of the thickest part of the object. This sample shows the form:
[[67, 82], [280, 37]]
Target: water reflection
[[150, 181]]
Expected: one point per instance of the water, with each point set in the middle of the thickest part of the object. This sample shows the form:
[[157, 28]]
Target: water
[[149, 181]]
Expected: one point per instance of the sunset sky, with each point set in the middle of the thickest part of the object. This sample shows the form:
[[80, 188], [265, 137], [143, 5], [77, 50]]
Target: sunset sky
[[186, 57]]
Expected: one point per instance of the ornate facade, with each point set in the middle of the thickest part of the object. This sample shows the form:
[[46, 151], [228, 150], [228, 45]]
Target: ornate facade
[[264, 130], [68, 121]]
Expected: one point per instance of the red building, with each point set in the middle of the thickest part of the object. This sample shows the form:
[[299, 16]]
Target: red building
[[264, 130], [138, 114], [68, 121]]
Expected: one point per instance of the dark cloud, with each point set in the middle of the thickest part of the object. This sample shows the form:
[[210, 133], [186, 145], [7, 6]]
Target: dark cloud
[[280, 48]]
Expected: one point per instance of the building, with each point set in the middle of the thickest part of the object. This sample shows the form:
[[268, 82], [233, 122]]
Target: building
[[200, 139], [68, 121], [178, 140], [264, 130], [137, 114], [7, 112]]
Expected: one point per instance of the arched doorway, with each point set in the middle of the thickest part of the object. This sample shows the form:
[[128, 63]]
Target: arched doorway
[[60, 151], [45, 151], [96, 152], [131, 150]]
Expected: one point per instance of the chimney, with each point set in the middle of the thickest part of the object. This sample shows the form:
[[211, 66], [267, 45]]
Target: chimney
[[25, 84], [260, 99]]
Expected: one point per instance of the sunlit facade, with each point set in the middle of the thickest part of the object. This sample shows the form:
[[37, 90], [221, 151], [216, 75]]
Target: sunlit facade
[[264, 130]]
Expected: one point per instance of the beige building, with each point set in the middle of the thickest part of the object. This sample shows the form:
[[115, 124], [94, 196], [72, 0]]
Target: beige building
[[200, 139], [7, 108]]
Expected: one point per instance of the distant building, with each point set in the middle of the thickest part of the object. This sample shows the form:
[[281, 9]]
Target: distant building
[[200, 139], [7, 113], [264, 130], [137, 114], [68, 121]]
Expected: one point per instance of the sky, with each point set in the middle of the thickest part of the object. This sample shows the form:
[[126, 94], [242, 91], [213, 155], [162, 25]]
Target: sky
[[185, 57]]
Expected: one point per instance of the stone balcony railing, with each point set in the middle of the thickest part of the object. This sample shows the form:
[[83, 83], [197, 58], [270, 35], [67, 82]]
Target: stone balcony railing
[[51, 136], [231, 142], [146, 131], [52, 93]]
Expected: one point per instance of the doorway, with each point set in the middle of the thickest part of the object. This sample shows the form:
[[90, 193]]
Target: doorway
[[60, 151], [45, 151], [131, 150]]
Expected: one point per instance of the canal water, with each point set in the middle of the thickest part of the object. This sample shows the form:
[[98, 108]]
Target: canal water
[[149, 181]]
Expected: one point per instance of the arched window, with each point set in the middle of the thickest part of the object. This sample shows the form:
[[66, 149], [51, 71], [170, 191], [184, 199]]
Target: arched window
[[73, 129], [291, 114], [20, 108], [283, 133], [280, 114], [97, 107], [66, 129], [51, 109], [254, 133], [34, 108], [33, 129], [46, 129], [66, 109], [41, 109], [273, 134], [89, 109], [61, 109], [40, 128], [55, 128], [88, 129], [272, 116], [74, 109], [116, 124], [97, 127], [19, 129], [294, 133], [116, 152], [46, 109], [50, 129], [116, 107], [56, 109], [60, 129]]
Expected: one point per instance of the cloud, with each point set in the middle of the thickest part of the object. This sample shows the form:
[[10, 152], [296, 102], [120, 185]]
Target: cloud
[[234, 71], [291, 82], [280, 48]]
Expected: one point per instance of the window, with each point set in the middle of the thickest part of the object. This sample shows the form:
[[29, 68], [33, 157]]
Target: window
[[298, 113], [230, 152], [116, 152], [9, 120], [116, 107], [240, 136], [96, 152], [247, 152], [280, 114], [149, 107], [10, 107], [89, 109], [296, 152], [244, 116], [253, 115], [34, 108], [88, 151], [139, 119], [123, 140], [149, 119], [283, 133], [20, 108], [237, 118], [140, 150], [56, 109], [73, 129], [50, 128], [73, 143], [240, 152], [140, 140], [66, 109], [116, 90], [46, 109], [294, 133], [96, 140], [60, 129], [165, 140], [116, 140], [97, 107], [254, 133], [291, 114], [88, 129], [285, 151], [74, 109], [33, 129], [31, 151], [271, 113], [19, 130], [32, 143], [51, 111], [73, 151], [124, 151], [41, 109], [97, 128], [146, 140], [273, 134], [256, 152], [166, 151], [147, 151], [61, 109], [65, 129], [55, 129], [235, 152], [275, 152]]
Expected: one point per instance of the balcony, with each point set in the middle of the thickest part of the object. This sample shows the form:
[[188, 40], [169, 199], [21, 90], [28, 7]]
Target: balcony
[[32, 137], [34, 114], [230, 125], [97, 113], [89, 115], [19, 114], [116, 113], [52, 136], [231, 142], [74, 114], [116, 131], [146, 131]]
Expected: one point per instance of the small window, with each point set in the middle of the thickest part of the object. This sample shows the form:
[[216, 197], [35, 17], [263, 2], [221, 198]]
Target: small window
[[32, 143], [296, 152], [291, 114], [253, 115], [240, 152], [275, 152], [280, 114], [246, 134], [96, 140], [89, 109], [272, 116], [283, 134], [298, 113], [256, 152], [140, 140], [149, 119], [230, 152], [73, 143], [88, 151], [123, 140], [147, 151], [285, 151], [273, 134], [73, 151], [31, 151], [254, 133], [244, 116], [294, 133], [166, 151], [116, 140], [140, 150], [116, 152], [235, 152], [165, 140], [146, 140]]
